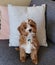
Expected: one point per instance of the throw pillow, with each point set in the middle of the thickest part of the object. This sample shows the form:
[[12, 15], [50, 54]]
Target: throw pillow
[[18, 14], [4, 31]]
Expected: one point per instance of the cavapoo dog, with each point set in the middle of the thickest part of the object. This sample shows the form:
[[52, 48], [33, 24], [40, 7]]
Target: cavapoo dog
[[28, 40]]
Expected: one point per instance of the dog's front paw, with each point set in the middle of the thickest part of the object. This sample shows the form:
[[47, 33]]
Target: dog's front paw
[[22, 59], [35, 61]]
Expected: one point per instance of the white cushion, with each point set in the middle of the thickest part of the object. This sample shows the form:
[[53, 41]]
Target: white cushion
[[18, 14]]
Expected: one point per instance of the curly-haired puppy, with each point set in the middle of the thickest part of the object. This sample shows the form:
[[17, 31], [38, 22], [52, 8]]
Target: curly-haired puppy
[[28, 40]]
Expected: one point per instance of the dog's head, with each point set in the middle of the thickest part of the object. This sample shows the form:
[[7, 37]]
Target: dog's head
[[26, 27]]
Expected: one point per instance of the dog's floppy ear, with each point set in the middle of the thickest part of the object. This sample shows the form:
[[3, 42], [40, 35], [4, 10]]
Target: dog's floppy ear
[[19, 29]]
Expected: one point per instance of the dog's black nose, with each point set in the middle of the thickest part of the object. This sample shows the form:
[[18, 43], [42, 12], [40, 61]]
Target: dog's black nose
[[30, 30]]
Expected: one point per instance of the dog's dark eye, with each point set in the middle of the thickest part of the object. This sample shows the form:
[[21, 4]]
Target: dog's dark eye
[[24, 27], [31, 25]]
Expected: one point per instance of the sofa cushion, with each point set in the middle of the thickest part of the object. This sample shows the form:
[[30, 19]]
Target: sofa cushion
[[50, 27], [46, 55], [38, 2], [51, 21], [4, 31]]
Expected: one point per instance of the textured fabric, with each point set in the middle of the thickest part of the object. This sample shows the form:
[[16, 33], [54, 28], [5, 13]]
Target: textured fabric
[[15, 19], [51, 21], [4, 32], [50, 14], [9, 56], [38, 2]]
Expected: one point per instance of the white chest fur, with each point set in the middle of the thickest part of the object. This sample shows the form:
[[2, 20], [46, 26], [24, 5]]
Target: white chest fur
[[28, 46]]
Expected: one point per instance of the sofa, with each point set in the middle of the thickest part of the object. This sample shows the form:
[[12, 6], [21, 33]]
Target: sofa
[[47, 55], [9, 56]]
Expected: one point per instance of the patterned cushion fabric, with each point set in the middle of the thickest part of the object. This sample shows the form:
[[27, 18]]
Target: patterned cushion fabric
[[4, 31]]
